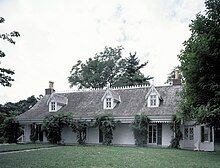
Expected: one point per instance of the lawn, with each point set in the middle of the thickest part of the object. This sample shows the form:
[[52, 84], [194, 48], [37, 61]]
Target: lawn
[[106, 157], [18, 147]]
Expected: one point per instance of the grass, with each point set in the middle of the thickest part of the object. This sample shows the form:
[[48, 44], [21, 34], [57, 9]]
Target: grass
[[18, 147], [107, 157]]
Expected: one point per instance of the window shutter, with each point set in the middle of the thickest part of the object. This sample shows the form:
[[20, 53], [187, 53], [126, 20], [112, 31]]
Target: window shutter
[[202, 133], [211, 139], [100, 136], [159, 134]]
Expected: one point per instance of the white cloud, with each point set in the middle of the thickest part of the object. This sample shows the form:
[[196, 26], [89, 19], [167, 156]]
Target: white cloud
[[55, 34]]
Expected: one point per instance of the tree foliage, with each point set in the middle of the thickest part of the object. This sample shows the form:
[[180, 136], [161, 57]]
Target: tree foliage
[[11, 130], [200, 62], [131, 75], [171, 75], [80, 126], [106, 123], [140, 129], [108, 67], [53, 125], [8, 112], [97, 71], [5, 74], [175, 142]]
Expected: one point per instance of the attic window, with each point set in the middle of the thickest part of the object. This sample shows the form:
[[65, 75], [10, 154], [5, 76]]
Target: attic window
[[52, 106], [153, 100], [108, 103]]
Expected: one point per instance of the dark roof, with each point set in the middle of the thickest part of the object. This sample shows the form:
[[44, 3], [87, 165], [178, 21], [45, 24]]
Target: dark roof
[[89, 104]]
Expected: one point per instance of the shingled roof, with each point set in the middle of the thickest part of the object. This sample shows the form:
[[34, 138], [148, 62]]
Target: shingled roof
[[88, 103]]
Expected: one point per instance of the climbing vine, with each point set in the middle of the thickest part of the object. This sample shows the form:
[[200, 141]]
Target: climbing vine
[[175, 142], [53, 125], [106, 124], [140, 129], [33, 135], [79, 127]]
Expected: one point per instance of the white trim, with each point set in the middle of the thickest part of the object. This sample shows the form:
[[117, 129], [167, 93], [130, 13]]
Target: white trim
[[50, 106]]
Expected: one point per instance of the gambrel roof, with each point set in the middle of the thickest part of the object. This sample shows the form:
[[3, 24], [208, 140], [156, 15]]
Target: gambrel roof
[[89, 104]]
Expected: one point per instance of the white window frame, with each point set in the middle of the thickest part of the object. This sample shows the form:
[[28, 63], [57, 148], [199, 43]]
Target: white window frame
[[108, 103], [189, 133], [206, 130], [152, 133], [153, 100], [53, 106]]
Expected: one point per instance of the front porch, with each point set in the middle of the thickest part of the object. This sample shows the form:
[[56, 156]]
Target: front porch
[[159, 134], [197, 137]]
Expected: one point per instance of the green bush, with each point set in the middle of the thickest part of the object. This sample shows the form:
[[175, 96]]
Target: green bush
[[177, 132], [53, 125], [106, 124], [79, 127], [11, 130], [140, 129]]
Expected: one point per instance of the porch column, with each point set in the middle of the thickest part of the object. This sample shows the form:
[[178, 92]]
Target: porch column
[[27, 133]]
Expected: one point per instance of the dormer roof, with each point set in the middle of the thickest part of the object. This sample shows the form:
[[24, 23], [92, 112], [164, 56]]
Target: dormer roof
[[113, 94], [153, 90], [60, 99]]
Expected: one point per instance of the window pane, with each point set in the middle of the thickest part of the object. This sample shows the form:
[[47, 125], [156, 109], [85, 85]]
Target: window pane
[[150, 134], [191, 133], [108, 102], [186, 133], [206, 134]]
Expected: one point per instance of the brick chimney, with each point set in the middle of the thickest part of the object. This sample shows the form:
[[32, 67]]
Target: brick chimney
[[177, 78], [50, 90]]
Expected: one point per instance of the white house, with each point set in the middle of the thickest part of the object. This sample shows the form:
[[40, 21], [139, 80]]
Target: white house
[[158, 103]]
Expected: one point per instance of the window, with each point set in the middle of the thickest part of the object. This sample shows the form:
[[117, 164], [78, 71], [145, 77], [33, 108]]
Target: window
[[188, 133], [152, 129], [206, 134], [53, 106], [108, 103], [191, 133], [153, 100]]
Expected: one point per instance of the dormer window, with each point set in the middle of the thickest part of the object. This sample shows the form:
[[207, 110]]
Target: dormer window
[[153, 100], [153, 97], [108, 103], [110, 99], [52, 106], [56, 102]]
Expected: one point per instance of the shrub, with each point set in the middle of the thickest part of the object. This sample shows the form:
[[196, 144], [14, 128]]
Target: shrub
[[140, 129], [177, 132], [53, 125], [106, 124], [11, 130], [33, 135], [79, 127]]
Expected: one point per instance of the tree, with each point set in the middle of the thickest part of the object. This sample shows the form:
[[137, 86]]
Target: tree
[[108, 67], [172, 74], [200, 62], [10, 130], [97, 71], [5, 74], [131, 75]]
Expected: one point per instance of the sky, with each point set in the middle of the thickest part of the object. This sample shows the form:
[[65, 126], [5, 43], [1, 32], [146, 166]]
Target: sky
[[55, 34]]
